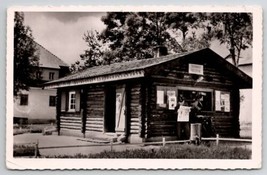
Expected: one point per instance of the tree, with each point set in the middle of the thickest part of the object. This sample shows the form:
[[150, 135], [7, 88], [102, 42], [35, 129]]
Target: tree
[[235, 30], [26, 58], [97, 53], [182, 21], [134, 35]]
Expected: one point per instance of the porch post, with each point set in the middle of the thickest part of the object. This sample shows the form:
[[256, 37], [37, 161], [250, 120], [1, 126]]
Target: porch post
[[58, 110]]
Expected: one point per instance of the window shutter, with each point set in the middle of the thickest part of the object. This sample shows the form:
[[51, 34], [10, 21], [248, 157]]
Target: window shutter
[[77, 100], [63, 101]]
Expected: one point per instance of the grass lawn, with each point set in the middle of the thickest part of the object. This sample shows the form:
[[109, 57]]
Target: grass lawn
[[173, 152]]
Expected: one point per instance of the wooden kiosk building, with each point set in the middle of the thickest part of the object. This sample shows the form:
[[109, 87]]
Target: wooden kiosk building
[[138, 98]]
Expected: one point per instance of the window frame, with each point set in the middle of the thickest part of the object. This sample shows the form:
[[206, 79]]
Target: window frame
[[70, 104], [208, 90]]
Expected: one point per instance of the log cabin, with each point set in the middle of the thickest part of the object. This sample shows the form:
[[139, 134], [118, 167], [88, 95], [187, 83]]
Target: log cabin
[[139, 98]]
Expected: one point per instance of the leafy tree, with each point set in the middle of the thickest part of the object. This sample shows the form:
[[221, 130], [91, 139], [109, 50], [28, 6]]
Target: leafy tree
[[234, 30], [134, 35], [97, 53], [26, 59], [182, 21]]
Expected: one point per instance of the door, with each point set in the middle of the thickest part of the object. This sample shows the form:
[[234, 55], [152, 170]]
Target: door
[[110, 109], [120, 110]]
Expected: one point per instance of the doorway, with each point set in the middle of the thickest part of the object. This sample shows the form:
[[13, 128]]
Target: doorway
[[110, 109]]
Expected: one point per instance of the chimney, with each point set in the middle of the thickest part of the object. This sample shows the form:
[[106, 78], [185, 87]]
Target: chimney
[[160, 51]]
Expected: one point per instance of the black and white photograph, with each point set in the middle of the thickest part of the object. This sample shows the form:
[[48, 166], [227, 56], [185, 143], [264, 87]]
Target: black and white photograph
[[160, 87]]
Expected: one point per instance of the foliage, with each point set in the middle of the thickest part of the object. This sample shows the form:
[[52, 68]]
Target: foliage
[[26, 58], [233, 29], [134, 35], [173, 151], [23, 150]]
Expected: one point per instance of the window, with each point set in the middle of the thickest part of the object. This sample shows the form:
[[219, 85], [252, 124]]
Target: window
[[52, 101], [23, 99], [72, 101], [189, 97], [51, 75]]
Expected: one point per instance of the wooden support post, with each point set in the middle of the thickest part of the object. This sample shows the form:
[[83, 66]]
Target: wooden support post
[[36, 152], [163, 141], [217, 139]]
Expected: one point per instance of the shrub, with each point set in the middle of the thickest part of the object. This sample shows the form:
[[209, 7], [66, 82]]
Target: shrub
[[23, 150]]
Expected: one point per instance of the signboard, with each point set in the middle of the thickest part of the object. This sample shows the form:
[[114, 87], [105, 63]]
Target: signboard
[[183, 114], [195, 69], [172, 100], [160, 97], [222, 101]]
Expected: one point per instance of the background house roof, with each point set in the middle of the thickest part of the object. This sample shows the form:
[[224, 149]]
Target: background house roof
[[97, 73], [47, 59]]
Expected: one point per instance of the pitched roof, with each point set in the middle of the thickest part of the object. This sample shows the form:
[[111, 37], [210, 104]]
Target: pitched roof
[[48, 59], [129, 69], [119, 67]]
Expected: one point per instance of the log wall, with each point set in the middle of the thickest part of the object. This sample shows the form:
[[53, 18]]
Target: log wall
[[162, 122], [134, 102], [95, 109], [71, 121]]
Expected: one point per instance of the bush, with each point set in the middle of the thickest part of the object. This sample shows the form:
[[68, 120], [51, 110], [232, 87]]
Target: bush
[[173, 152], [23, 150]]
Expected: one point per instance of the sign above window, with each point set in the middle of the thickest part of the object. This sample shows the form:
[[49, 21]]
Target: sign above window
[[195, 69]]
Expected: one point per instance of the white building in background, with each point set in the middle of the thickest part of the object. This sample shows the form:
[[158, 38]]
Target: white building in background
[[245, 64], [39, 105]]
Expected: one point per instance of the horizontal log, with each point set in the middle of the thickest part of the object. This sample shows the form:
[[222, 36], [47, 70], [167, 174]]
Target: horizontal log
[[94, 129], [96, 107], [99, 108], [99, 92], [135, 119], [71, 121], [95, 122], [136, 124], [95, 118], [91, 125], [95, 114], [134, 132], [71, 124], [70, 127], [135, 128], [91, 99]]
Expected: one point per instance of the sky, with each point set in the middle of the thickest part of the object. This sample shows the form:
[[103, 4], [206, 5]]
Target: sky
[[61, 32]]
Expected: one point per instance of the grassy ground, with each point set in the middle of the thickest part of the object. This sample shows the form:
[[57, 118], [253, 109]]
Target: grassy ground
[[174, 152]]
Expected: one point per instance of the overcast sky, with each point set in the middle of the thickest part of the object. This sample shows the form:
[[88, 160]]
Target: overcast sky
[[61, 32]]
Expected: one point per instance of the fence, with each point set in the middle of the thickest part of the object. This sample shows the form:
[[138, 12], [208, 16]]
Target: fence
[[217, 139]]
